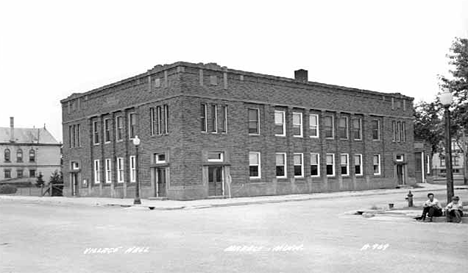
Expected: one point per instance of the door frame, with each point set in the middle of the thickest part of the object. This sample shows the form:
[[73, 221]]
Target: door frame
[[224, 176], [154, 180]]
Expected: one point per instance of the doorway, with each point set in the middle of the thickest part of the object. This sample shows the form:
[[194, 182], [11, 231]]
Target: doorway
[[401, 174], [160, 188], [74, 184], [215, 180]]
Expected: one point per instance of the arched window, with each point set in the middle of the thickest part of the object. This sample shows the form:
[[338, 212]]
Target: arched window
[[32, 155], [7, 155], [19, 155]]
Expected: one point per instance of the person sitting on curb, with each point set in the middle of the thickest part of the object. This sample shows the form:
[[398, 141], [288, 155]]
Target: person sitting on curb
[[454, 210], [432, 208]]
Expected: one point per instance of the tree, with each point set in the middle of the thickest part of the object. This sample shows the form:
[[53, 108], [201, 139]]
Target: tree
[[428, 125], [39, 180], [457, 84], [56, 181]]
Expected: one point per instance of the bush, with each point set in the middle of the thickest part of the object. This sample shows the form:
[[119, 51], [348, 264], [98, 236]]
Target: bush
[[7, 189]]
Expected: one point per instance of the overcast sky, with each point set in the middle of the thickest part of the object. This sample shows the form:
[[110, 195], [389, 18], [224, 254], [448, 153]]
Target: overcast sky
[[51, 49]]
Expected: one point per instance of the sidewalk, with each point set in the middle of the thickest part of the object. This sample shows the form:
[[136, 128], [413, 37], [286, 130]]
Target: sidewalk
[[209, 203]]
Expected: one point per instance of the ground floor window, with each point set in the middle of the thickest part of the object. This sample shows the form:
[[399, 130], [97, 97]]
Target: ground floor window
[[377, 167], [344, 164], [330, 164], [97, 177], [7, 173], [358, 164], [132, 169], [254, 165], [314, 165], [120, 170], [32, 173], [298, 165], [108, 171], [281, 165]]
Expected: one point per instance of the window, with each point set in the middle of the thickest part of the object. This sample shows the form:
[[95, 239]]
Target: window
[[108, 171], [32, 173], [32, 155], [224, 114], [280, 124], [442, 161], [152, 122], [97, 177], [357, 129], [95, 133], [71, 136], [343, 127], [254, 121], [77, 136], [298, 165], [330, 164], [428, 164], [455, 160], [314, 125], [400, 158], [403, 132], [6, 155], [377, 165], [159, 120], [328, 127], [132, 169], [215, 156], [214, 118], [166, 118], [398, 132], [344, 164], [254, 165], [203, 120], [281, 165], [7, 173], [131, 125], [376, 129], [19, 155], [119, 127], [297, 124], [358, 164], [159, 158], [120, 169], [314, 165], [107, 128], [19, 173], [394, 132]]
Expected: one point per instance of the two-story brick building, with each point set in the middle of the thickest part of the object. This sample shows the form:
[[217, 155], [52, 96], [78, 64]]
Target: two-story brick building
[[26, 153], [207, 130]]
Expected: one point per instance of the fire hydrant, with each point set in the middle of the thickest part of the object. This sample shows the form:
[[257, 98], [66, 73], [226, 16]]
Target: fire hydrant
[[409, 197]]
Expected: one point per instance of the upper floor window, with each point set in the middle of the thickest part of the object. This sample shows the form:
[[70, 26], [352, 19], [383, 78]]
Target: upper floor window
[[328, 125], [19, 155], [297, 124], [254, 165], [107, 128], [314, 125], [403, 131], [203, 119], [254, 121], [7, 155], [394, 131], [166, 118], [214, 118], [343, 127], [131, 125], [224, 118], [32, 155], [74, 135], [376, 129], [119, 127], [357, 129], [152, 122], [95, 132], [280, 123], [398, 131]]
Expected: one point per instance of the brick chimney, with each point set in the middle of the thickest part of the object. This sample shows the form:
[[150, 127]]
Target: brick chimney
[[12, 129], [301, 75]]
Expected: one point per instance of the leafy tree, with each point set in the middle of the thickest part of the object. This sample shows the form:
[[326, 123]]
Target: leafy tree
[[39, 180], [428, 124], [457, 84], [56, 179]]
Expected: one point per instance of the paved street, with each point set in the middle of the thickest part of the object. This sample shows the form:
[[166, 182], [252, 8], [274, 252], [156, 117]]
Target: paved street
[[303, 236]]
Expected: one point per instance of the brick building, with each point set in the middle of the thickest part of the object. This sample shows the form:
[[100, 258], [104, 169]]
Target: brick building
[[26, 152], [207, 130]]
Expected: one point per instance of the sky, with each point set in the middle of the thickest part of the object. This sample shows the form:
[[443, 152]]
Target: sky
[[51, 49]]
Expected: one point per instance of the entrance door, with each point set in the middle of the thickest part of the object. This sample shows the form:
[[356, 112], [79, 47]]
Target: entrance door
[[400, 174], [160, 182], [215, 181], [74, 184]]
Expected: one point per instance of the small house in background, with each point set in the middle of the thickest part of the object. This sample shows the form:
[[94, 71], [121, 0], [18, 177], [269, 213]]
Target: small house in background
[[422, 157], [26, 152], [440, 170]]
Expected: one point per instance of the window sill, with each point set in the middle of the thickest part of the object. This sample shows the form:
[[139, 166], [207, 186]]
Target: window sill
[[255, 178], [314, 137]]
